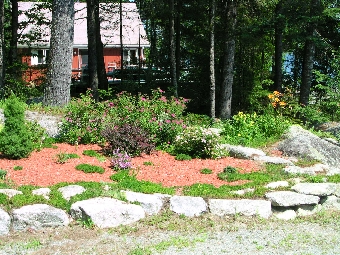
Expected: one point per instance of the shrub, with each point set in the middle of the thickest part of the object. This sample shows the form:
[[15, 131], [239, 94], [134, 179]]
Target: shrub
[[128, 138], [254, 130], [159, 115], [198, 143], [229, 173], [87, 168], [15, 139], [82, 122], [182, 156]]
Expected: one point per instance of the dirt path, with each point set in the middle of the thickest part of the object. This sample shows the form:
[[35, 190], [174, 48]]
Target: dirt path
[[169, 235]]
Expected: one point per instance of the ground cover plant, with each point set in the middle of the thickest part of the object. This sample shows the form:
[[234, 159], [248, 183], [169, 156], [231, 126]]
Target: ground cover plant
[[87, 168], [62, 157]]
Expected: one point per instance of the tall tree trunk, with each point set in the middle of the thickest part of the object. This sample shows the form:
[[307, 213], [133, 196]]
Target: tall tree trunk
[[178, 38], [172, 39], [121, 41], [92, 47], [212, 60], [278, 47], [13, 56], [308, 55], [2, 43], [57, 90], [102, 78], [229, 58]]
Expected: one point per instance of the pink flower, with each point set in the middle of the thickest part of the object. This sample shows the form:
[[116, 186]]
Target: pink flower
[[143, 99]]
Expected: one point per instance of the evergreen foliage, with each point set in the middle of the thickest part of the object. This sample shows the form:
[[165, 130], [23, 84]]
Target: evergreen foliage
[[15, 139]]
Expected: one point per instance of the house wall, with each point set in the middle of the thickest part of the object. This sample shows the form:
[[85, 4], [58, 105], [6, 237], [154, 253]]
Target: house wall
[[36, 73]]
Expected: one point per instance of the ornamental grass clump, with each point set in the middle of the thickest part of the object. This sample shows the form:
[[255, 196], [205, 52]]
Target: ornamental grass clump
[[15, 139], [120, 160]]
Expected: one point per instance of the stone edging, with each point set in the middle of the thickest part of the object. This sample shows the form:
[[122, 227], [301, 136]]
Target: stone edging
[[104, 212]]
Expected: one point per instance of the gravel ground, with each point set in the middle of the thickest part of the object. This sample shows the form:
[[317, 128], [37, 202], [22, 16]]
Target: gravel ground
[[237, 236]]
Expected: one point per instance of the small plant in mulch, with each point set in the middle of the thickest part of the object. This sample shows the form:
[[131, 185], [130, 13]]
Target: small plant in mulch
[[206, 171], [17, 168], [147, 163], [120, 160], [63, 157], [3, 174], [93, 153], [227, 173], [182, 156], [87, 168]]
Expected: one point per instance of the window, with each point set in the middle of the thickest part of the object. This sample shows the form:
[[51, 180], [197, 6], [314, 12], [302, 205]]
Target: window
[[84, 56], [39, 57]]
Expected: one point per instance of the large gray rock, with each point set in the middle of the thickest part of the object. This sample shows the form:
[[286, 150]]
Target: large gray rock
[[273, 160], [107, 212], [151, 203], [311, 170], [331, 203], [299, 142], [244, 207], [71, 190], [38, 216], [290, 198], [188, 206], [5, 222], [238, 151], [317, 189], [45, 192], [10, 192]]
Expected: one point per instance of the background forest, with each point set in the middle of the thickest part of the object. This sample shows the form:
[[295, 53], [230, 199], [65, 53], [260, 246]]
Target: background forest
[[226, 56]]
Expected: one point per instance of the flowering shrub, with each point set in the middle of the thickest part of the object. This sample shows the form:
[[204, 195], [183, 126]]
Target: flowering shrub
[[120, 160], [82, 123], [130, 138], [158, 115], [198, 142]]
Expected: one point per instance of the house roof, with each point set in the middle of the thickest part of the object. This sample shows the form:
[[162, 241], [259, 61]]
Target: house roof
[[134, 34]]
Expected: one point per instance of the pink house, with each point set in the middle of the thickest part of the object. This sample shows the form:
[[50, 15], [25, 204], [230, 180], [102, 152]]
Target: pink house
[[35, 51]]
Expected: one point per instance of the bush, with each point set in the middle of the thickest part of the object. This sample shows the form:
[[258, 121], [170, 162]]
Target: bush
[[254, 130], [15, 139], [128, 138], [160, 116], [82, 122], [197, 142], [182, 156]]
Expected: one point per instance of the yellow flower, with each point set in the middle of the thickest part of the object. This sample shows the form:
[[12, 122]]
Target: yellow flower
[[282, 103], [270, 96]]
